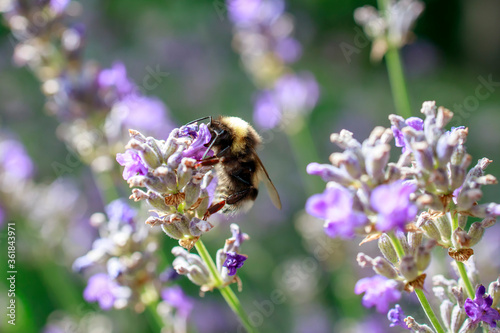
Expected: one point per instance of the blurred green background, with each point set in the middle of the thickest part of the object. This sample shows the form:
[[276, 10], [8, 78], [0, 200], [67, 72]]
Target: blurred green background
[[456, 42]]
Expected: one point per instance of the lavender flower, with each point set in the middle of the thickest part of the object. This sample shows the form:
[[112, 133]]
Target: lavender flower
[[228, 260], [265, 50], [15, 161], [102, 289], [233, 262], [176, 298], [393, 205], [396, 317], [178, 187], [390, 27], [479, 309], [119, 210], [379, 292], [146, 114], [335, 205], [414, 122], [133, 164], [115, 80]]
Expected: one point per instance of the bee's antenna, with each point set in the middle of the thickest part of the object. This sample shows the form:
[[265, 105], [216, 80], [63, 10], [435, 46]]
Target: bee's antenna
[[197, 120], [211, 143]]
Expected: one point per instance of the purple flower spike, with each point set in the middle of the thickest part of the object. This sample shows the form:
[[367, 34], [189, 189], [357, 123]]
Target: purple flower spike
[[233, 262], [335, 206], [116, 77], [392, 202], [133, 164], [267, 114], [119, 210], [176, 298], [197, 148], [480, 309], [396, 316], [379, 292], [414, 122], [100, 288], [14, 160]]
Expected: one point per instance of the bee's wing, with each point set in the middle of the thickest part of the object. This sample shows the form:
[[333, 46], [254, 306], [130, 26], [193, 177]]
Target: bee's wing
[[264, 176]]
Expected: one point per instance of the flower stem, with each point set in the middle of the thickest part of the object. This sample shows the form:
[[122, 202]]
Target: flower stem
[[395, 71], [228, 294], [154, 320], [397, 81], [428, 311], [465, 279]]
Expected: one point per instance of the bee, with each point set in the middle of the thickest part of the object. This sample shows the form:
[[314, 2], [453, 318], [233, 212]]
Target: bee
[[238, 167]]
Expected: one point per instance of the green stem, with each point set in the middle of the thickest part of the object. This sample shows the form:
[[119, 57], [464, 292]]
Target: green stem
[[398, 84], [228, 294], [396, 74], [465, 278], [397, 245], [460, 265], [428, 311], [154, 319]]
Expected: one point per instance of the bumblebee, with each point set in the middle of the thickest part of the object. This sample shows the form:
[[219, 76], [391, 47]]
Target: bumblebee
[[239, 168]]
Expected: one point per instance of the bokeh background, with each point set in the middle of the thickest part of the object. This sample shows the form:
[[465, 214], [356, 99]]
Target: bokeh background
[[455, 43]]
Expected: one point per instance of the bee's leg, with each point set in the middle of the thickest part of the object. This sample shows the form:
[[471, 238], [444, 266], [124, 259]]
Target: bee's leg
[[250, 192], [214, 208], [208, 162]]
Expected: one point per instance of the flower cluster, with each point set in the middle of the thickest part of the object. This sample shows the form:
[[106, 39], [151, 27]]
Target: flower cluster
[[228, 260], [178, 188], [422, 200], [389, 27], [125, 252], [263, 37], [95, 106]]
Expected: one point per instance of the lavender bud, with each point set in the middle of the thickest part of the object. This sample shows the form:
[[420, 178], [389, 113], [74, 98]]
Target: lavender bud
[[155, 184], [486, 180], [439, 180], [476, 232], [192, 192], [443, 224], [416, 327], [458, 293], [157, 201], [423, 255], [364, 260], [443, 117], [197, 227], [423, 155], [387, 249], [376, 160], [184, 173], [462, 221], [172, 231], [149, 156], [440, 293], [155, 145], [383, 267], [467, 199], [458, 316], [136, 135], [494, 291], [402, 240], [408, 268], [393, 172], [488, 222], [460, 239], [414, 241], [446, 309], [428, 227], [457, 176], [168, 177]]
